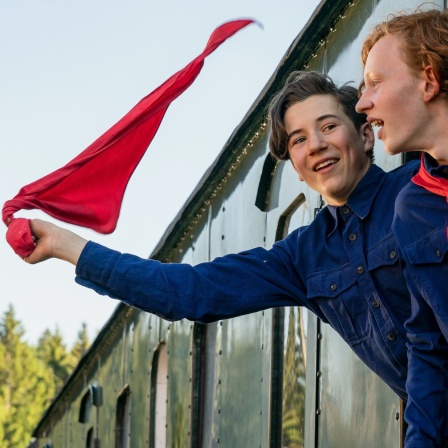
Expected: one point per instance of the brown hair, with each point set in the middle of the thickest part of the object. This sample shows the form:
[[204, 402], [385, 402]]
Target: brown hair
[[299, 86], [424, 41]]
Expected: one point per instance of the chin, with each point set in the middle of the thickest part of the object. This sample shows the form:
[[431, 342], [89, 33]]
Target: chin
[[391, 149]]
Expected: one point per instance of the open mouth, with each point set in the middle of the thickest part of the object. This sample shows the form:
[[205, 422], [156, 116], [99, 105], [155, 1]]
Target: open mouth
[[325, 164], [378, 124]]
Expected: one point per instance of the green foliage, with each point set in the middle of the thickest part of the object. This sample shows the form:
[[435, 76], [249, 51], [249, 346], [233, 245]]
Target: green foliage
[[52, 351], [82, 344], [30, 377]]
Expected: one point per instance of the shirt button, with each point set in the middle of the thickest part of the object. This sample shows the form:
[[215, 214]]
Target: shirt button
[[438, 253], [392, 254], [391, 337], [333, 287], [360, 269], [345, 210], [352, 237], [376, 304]]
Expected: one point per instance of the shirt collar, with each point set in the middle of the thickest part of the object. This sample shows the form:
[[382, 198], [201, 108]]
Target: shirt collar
[[361, 200], [433, 168]]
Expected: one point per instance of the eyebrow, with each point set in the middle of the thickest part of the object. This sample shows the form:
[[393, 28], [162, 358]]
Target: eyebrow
[[318, 120]]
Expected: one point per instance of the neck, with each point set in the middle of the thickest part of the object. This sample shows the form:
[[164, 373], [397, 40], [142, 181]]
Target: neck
[[436, 134]]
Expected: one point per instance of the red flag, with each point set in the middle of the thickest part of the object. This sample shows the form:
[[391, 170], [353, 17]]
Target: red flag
[[88, 191]]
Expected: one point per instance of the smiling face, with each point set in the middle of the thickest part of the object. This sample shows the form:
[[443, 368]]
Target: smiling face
[[325, 148], [394, 98]]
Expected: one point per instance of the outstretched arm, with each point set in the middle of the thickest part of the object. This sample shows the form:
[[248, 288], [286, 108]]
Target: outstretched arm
[[54, 242], [229, 286]]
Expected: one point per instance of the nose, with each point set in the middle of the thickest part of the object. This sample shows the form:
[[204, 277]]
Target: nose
[[363, 104], [316, 143]]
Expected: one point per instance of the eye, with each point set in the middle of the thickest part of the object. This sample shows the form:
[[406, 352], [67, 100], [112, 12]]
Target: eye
[[329, 127], [372, 82], [298, 140]]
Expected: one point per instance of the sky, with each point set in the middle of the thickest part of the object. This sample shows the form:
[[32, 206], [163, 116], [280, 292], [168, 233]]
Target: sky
[[71, 69]]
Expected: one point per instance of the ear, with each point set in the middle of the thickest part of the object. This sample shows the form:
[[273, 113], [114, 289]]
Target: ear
[[431, 86], [368, 136], [296, 170]]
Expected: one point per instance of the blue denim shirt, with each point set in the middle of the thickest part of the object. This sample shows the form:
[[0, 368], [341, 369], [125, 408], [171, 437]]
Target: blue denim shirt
[[420, 224], [344, 267]]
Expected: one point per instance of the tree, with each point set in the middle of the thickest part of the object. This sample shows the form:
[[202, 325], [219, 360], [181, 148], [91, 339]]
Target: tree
[[82, 344], [52, 351], [3, 400], [26, 386]]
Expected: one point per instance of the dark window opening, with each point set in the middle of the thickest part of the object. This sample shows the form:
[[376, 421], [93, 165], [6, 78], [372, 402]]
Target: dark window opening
[[199, 374], [93, 397], [158, 398], [122, 419], [289, 352], [90, 438]]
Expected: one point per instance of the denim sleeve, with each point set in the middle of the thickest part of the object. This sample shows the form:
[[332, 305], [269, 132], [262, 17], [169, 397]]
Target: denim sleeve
[[427, 381], [421, 232], [229, 286], [427, 387]]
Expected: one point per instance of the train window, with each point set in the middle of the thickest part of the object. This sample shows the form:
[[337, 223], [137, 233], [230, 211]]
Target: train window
[[122, 419], [85, 408], [158, 398], [199, 381], [294, 370], [93, 397], [90, 438], [209, 384], [294, 216], [262, 200], [290, 333]]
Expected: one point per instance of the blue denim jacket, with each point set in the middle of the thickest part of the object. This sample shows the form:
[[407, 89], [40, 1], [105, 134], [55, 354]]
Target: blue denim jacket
[[344, 267], [420, 224]]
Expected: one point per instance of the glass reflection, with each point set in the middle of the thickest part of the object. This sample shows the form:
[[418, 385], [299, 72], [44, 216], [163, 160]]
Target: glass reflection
[[294, 365], [294, 345]]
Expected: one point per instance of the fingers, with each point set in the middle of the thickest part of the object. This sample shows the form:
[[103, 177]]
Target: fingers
[[42, 236], [53, 241]]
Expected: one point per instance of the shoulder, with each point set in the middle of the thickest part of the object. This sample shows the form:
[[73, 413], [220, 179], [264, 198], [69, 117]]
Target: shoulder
[[405, 171], [413, 201], [393, 181], [418, 214]]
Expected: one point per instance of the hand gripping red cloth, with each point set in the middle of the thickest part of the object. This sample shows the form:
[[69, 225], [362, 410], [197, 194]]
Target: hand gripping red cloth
[[88, 191], [436, 185]]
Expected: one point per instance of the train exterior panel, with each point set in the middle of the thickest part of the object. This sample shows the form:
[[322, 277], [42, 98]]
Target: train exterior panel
[[272, 379]]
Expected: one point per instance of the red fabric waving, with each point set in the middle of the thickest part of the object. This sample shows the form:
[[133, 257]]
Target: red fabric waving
[[88, 191]]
